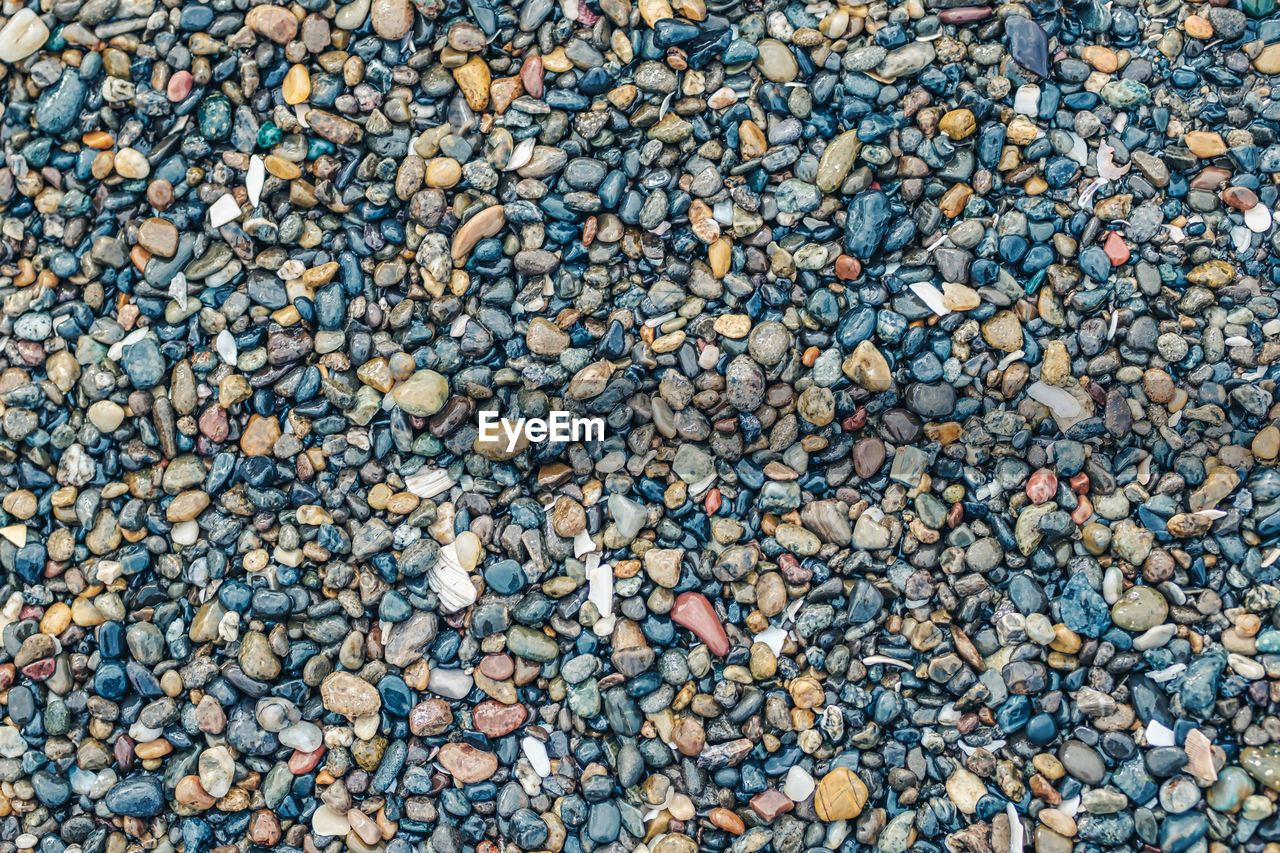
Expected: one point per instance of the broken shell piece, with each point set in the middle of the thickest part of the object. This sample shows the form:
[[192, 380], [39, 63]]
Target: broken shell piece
[[224, 210], [932, 297], [451, 582], [256, 178]]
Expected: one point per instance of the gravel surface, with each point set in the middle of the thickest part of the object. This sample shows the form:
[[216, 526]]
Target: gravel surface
[[934, 504]]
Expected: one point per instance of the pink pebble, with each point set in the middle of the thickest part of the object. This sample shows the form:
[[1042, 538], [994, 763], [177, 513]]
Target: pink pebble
[[1042, 486], [179, 86]]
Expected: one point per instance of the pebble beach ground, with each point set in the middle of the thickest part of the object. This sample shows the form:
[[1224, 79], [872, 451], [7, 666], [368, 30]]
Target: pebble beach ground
[[935, 346]]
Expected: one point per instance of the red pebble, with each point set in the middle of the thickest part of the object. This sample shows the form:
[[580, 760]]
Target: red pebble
[[495, 719], [1116, 249], [1079, 483], [848, 268], [40, 670], [770, 803], [692, 610], [305, 762], [122, 749], [1042, 486], [531, 76], [713, 501]]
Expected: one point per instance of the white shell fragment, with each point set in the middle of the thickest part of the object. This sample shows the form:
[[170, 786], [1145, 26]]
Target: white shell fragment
[[1059, 401], [1011, 358], [451, 582], [773, 638], [226, 345], [256, 178], [521, 154], [1086, 197], [178, 290], [872, 660], [1016, 836], [22, 36], [932, 297], [224, 210], [1159, 734], [600, 585], [116, 352], [583, 544], [426, 483], [1106, 166]]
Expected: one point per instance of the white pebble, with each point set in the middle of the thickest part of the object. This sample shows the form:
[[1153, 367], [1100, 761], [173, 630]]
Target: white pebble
[[1027, 100], [799, 784], [106, 415], [329, 821], [1241, 237], [1112, 584], [224, 210], [304, 737], [1258, 218], [1154, 638], [185, 533], [537, 755]]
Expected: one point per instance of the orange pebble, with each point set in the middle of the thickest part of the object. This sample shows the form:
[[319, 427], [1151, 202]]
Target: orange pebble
[[726, 820], [98, 139]]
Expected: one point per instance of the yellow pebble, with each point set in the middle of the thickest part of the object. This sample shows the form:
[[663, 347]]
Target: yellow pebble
[[296, 87], [55, 619]]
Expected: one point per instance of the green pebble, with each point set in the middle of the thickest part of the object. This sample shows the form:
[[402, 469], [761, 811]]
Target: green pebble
[[268, 135]]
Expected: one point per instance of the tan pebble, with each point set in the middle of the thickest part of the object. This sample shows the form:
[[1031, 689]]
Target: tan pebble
[[1198, 28], [443, 172], [1205, 143], [131, 163], [1101, 58]]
